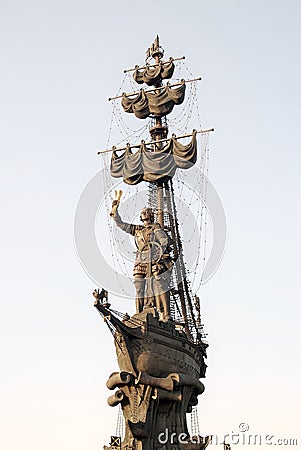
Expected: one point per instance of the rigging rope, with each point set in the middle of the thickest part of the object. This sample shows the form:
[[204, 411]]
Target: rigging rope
[[120, 423], [195, 428]]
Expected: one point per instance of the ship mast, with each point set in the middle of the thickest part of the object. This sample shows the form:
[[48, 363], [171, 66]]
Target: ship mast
[[167, 217], [156, 103], [158, 131]]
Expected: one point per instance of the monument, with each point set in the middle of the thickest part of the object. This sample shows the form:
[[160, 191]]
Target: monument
[[160, 349]]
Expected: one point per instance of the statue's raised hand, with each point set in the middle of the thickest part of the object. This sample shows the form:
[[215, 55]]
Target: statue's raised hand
[[115, 204]]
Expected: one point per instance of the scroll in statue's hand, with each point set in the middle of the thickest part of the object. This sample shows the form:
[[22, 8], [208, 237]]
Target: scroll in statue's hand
[[115, 205]]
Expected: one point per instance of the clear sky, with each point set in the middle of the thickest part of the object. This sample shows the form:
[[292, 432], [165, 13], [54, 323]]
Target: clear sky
[[60, 61]]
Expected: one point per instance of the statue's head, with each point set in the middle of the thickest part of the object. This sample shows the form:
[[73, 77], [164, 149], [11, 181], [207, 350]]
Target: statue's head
[[147, 214]]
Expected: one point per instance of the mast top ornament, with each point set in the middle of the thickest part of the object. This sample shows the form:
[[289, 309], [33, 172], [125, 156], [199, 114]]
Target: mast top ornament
[[154, 51]]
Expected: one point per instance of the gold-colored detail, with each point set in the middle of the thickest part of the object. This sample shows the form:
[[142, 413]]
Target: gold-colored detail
[[116, 202]]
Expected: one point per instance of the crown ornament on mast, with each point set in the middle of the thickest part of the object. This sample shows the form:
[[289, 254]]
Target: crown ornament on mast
[[154, 51]]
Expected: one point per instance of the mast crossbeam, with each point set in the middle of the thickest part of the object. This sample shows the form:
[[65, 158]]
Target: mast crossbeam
[[155, 88], [153, 142], [153, 65]]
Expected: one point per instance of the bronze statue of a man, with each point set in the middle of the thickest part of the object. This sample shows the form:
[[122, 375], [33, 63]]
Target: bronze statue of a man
[[151, 269]]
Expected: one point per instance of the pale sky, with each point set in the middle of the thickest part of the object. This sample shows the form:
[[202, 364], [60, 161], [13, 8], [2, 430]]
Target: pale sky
[[60, 62]]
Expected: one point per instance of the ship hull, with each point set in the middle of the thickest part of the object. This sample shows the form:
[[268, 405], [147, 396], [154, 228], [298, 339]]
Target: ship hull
[[145, 344]]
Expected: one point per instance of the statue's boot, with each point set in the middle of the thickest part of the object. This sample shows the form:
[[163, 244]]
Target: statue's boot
[[162, 298], [140, 287], [165, 317], [166, 306], [139, 304]]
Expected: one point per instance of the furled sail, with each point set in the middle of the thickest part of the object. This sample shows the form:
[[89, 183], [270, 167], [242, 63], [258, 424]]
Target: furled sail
[[149, 165], [158, 103], [153, 75]]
